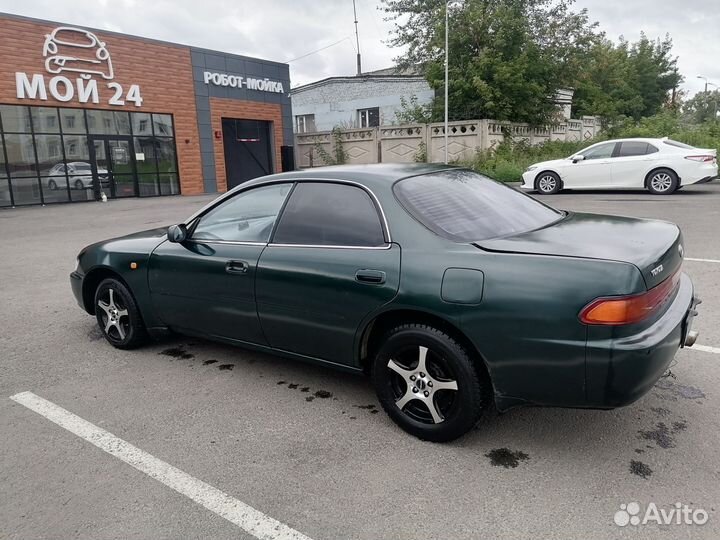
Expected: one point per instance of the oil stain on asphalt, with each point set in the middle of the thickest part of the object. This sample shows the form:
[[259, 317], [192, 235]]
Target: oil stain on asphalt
[[639, 468], [226, 367], [504, 457], [671, 391], [177, 352], [662, 435], [208, 362]]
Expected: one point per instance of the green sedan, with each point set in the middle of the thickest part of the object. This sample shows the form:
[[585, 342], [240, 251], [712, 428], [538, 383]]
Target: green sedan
[[453, 292]]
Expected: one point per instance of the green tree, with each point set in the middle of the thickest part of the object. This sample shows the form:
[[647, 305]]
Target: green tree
[[632, 80], [702, 107], [507, 57]]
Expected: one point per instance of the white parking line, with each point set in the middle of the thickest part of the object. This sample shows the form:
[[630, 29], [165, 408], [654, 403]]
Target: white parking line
[[705, 348], [237, 512], [703, 260]]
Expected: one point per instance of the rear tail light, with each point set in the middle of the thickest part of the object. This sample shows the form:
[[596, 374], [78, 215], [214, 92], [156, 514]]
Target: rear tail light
[[702, 159], [619, 310]]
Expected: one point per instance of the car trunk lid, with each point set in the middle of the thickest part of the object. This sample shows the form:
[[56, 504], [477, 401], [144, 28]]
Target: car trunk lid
[[654, 247]]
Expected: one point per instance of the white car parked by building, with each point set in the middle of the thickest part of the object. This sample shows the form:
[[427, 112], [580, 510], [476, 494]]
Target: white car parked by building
[[659, 165]]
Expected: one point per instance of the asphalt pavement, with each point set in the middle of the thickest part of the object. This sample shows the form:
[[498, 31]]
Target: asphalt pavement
[[308, 446]]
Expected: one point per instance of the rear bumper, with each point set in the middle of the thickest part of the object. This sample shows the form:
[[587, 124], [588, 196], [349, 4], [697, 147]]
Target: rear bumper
[[620, 370], [707, 179]]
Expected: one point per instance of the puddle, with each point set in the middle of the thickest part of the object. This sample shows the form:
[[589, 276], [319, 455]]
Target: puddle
[[504, 457]]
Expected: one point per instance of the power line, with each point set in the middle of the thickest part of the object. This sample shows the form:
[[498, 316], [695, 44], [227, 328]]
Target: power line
[[320, 49]]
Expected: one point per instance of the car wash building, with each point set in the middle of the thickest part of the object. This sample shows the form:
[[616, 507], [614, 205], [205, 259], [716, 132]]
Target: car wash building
[[87, 114]]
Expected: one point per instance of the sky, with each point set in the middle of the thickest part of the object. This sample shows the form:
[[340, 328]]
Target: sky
[[288, 30]]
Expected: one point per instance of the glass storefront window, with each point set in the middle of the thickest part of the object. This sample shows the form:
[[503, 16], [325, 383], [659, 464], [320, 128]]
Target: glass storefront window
[[48, 154], [141, 124], [15, 119], [108, 122], [166, 155], [20, 155], [162, 125], [45, 119], [72, 120], [5, 199], [169, 184]]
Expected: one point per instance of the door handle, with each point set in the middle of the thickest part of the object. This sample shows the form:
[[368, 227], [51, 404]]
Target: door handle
[[375, 277], [237, 267]]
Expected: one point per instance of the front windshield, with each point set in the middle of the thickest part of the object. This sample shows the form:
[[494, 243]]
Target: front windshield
[[467, 207]]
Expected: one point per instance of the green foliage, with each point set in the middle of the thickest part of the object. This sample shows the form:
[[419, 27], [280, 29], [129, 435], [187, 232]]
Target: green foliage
[[421, 154], [412, 112], [338, 156], [507, 56], [507, 161], [633, 80], [703, 107]]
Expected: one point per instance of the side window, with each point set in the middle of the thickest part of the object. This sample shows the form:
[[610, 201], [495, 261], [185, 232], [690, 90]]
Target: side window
[[247, 217], [633, 148], [603, 151], [328, 214]]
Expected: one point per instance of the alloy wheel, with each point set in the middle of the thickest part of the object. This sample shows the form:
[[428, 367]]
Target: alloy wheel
[[547, 183], [115, 318], [661, 181], [423, 385]]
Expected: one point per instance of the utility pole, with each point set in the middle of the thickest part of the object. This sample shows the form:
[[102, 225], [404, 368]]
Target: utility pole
[[357, 40], [447, 26], [706, 81]]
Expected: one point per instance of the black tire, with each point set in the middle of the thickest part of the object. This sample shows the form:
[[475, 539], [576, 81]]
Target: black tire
[[446, 361], [662, 182], [52, 186], [118, 315], [548, 183], [79, 184]]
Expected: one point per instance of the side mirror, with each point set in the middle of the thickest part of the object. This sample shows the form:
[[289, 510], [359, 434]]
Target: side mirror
[[577, 158], [177, 233]]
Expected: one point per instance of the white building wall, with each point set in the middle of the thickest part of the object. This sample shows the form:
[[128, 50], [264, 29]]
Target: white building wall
[[335, 103]]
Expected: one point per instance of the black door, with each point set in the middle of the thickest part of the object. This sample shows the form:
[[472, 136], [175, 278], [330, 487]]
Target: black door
[[248, 153], [112, 161]]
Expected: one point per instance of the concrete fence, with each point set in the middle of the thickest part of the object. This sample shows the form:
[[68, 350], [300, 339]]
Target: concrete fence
[[426, 142]]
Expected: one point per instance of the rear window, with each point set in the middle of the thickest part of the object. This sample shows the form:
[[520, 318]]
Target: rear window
[[677, 144], [467, 207]]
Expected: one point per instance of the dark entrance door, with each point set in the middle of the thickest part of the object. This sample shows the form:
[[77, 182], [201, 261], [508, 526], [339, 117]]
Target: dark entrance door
[[247, 150], [113, 166]]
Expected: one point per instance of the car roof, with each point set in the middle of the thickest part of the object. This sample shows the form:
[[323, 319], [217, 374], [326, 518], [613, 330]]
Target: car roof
[[367, 175]]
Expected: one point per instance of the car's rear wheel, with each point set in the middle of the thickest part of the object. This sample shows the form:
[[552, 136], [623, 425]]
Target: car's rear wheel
[[662, 181], [548, 183], [79, 184], [52, 185], [118, 315], [428, 384]]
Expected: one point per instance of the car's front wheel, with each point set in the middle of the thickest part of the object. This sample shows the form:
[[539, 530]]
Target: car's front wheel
[[548, 183], [428, 383], [662, 182], [118, 315]]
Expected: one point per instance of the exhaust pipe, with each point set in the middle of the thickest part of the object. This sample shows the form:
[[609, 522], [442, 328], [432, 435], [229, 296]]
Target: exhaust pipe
[[691, 338]]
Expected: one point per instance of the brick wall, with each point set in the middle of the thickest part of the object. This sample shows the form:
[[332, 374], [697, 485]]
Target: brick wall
[[243, 110], [163, 71]]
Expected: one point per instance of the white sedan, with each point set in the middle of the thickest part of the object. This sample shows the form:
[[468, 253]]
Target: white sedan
[[659, 165]]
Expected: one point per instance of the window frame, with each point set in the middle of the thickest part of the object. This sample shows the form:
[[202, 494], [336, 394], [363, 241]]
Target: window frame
[[615, 146], [303, 119], [649, 149], [373, 199], [366, 113], [194, 219]]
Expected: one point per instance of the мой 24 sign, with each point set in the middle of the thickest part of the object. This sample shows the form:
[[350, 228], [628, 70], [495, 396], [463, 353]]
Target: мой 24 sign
[[75, 51]]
